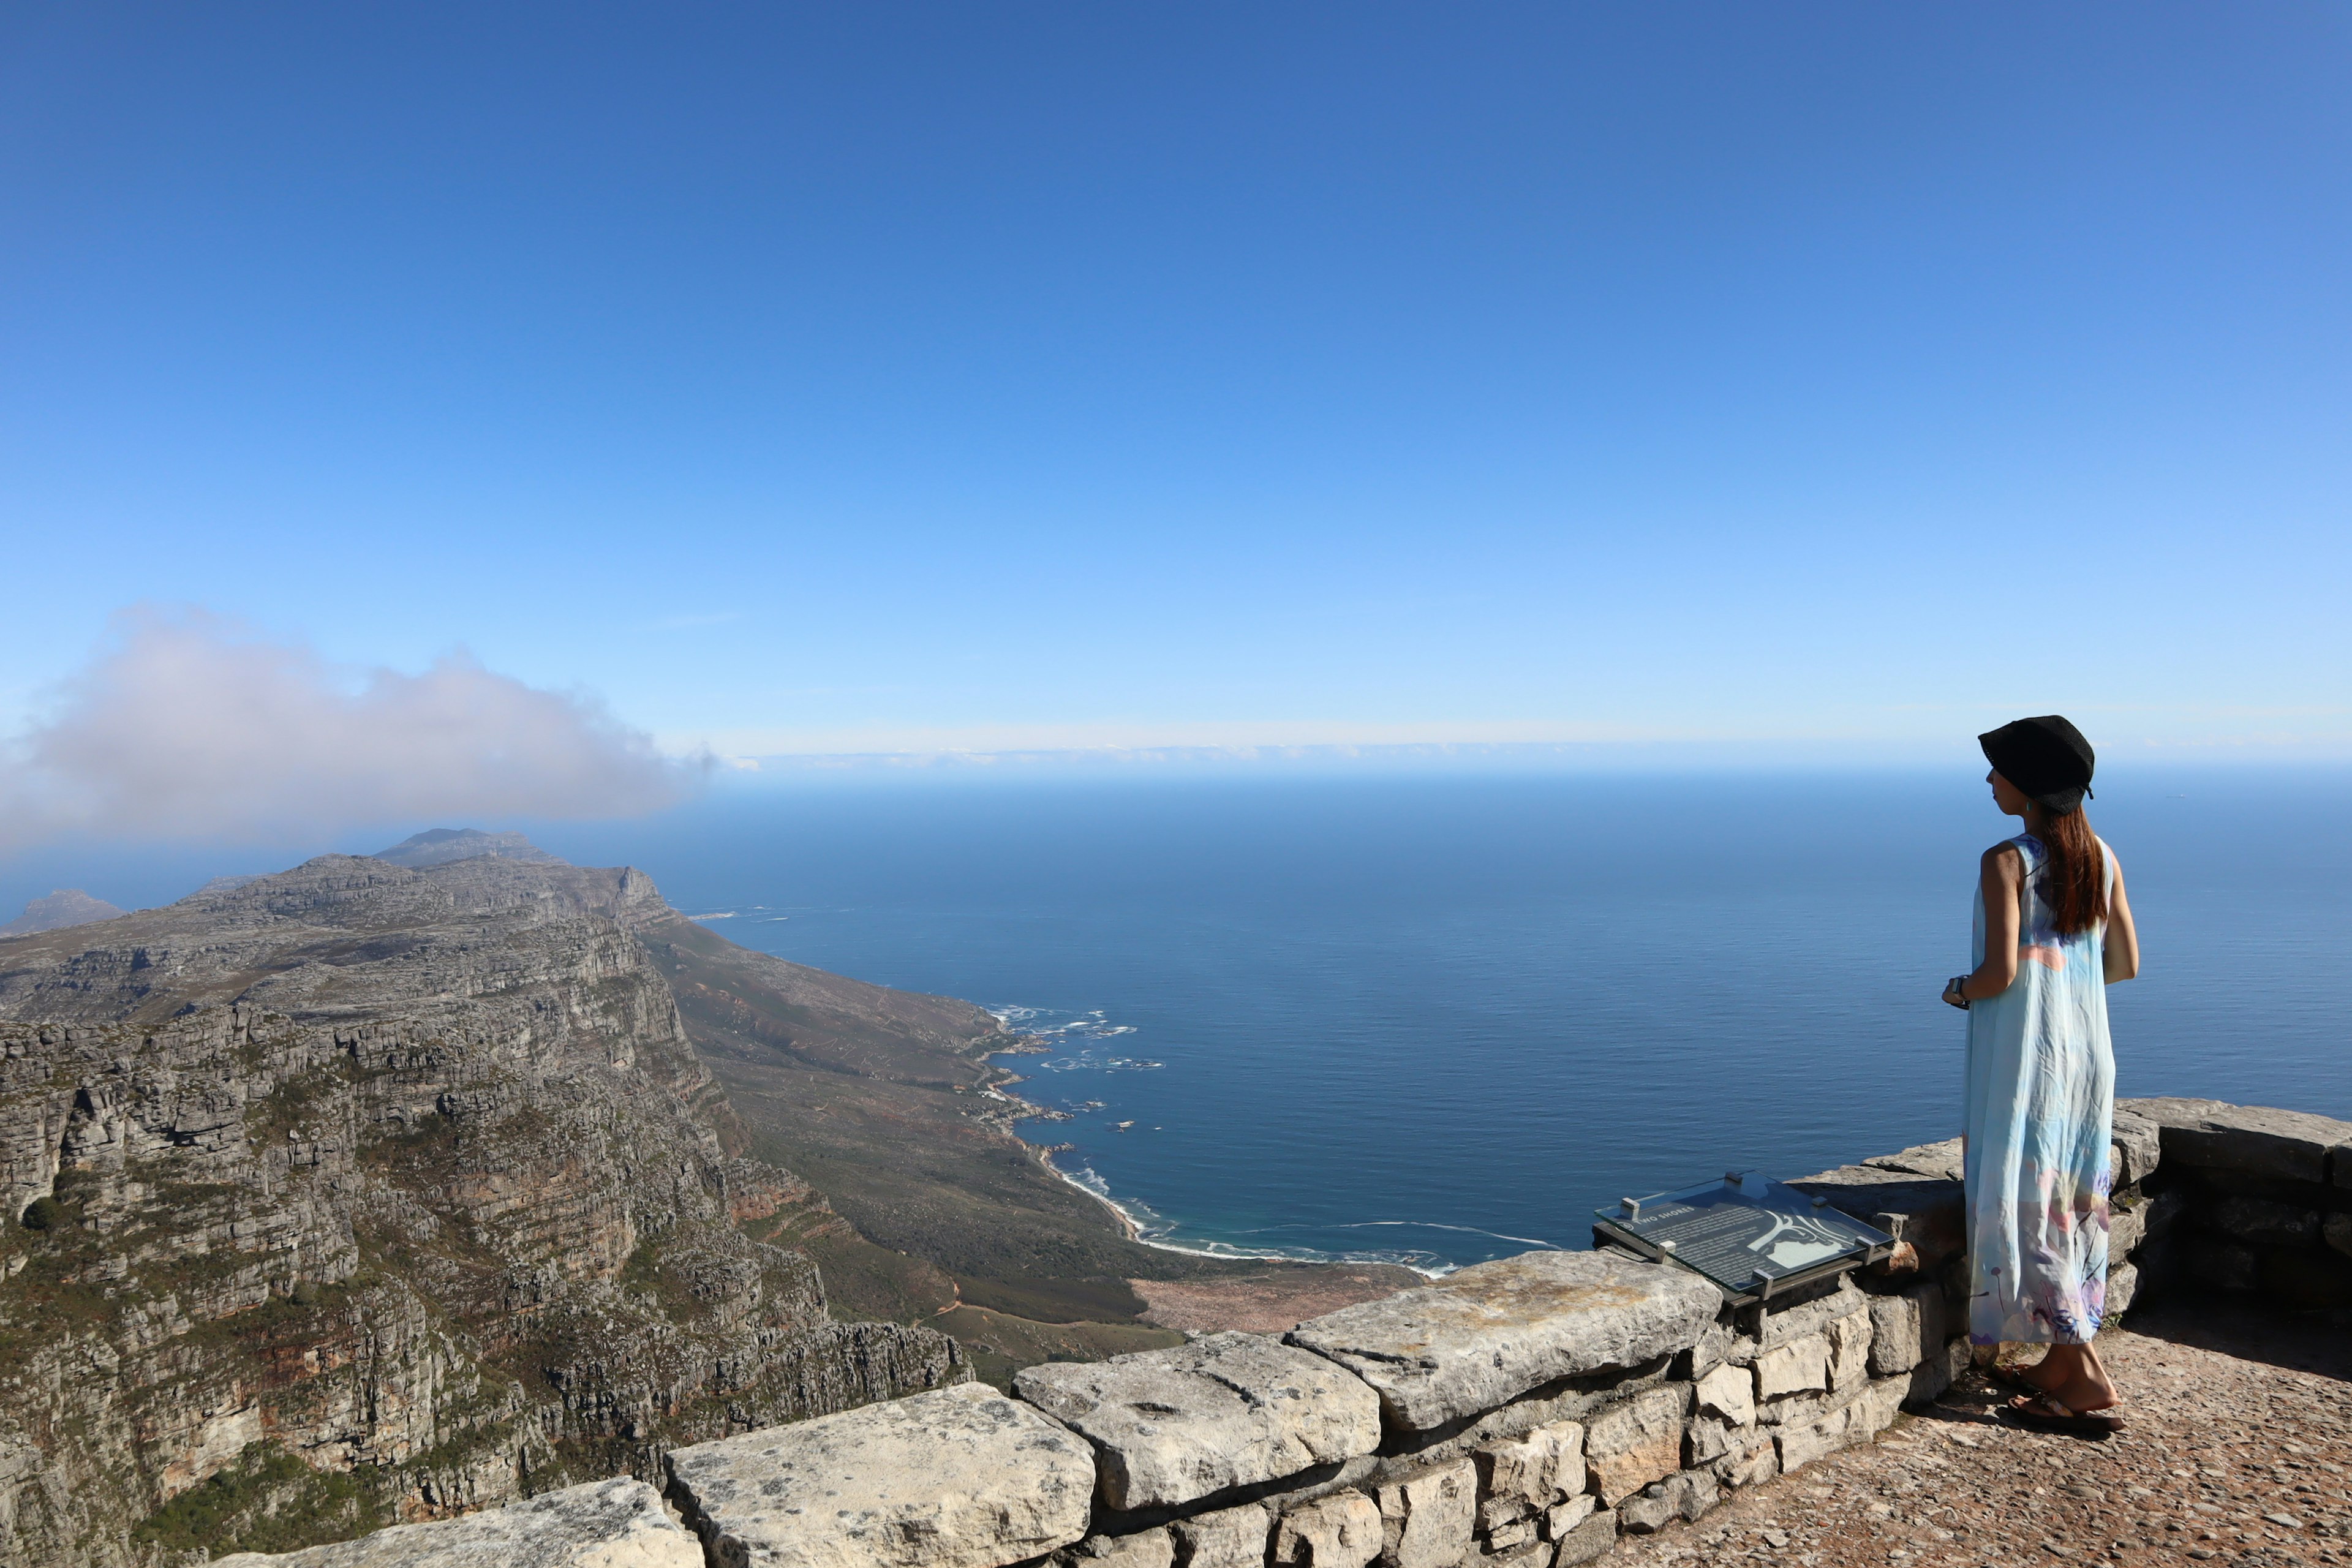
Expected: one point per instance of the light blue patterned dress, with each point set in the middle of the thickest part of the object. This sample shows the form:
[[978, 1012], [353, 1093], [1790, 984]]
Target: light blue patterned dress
[[2041, 1112]]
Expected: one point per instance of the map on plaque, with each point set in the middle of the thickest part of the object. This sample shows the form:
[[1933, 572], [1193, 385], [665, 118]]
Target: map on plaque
[[1746, 1233]]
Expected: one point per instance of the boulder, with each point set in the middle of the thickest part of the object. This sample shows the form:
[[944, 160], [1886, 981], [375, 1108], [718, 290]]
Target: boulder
[[1173, 1426], [1228, 1538], [1426, 1519], [1636, 1442], [2336, 1232], [2252, 1140], [961, 1478], [1478, 1339], [604, 1524], [1342, 1530]]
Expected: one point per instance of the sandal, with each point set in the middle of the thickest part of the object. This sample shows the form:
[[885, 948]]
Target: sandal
[[2010, 1377], [2041, 1413]]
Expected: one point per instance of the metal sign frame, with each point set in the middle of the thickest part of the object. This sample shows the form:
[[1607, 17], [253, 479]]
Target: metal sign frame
[[1864, 1244]]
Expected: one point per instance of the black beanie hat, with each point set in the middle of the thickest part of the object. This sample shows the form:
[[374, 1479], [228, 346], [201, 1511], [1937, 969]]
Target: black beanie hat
[[2047, 758]]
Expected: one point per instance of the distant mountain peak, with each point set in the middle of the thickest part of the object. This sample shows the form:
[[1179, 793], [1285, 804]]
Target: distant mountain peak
[[439, 845], [64, 907]]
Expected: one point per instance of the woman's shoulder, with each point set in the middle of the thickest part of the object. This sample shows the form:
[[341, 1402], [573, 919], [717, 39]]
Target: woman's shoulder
[[2007, 853]]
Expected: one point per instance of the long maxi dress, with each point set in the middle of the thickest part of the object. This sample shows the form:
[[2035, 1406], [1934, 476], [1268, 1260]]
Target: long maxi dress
[[2041, 1112]]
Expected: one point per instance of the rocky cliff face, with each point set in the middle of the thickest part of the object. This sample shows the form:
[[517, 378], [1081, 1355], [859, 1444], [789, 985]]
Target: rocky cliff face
[[360, 1194]]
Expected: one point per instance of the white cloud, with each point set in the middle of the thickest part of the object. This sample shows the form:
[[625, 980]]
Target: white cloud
[[185, 725]]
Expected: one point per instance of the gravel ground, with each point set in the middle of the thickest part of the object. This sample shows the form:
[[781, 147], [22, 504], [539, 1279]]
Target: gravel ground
[[2239, 1451]]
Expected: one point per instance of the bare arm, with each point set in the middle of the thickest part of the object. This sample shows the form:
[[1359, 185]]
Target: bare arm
[[2004, 879], [2122, 957]]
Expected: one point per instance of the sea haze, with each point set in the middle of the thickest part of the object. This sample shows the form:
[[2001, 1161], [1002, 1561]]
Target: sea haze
[[1437, 1019]]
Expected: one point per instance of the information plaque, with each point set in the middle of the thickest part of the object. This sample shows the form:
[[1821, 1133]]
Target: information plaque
[[1747, 1233]]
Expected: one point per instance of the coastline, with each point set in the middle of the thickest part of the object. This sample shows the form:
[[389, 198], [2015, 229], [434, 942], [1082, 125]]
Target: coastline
[[1132, 1225]]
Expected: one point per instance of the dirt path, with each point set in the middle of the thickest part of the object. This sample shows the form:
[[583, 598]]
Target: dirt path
[[2240, 1451]]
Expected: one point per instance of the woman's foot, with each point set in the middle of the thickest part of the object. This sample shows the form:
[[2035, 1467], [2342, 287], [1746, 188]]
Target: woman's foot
[[2072, 1376]]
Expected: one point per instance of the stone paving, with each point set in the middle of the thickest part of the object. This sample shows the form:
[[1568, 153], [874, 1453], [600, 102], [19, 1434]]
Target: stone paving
[[2239, 1451]]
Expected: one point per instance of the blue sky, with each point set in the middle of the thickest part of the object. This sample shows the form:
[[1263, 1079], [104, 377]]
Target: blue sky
[[812, 379]]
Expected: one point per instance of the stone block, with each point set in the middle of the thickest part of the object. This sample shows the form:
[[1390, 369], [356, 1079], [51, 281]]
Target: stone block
[[1905, 1329], [1426, 1519], [2138, 1145], [1803, 1442], [1342, 1530], [1509, 1537], [2336, 1231], [960, 1477], [1939, 1160], [1728, 1394], [2123, 1285], [2258, 1221], [1478, 1339], [1880, 1403], [1937, 1371], [1144, 1548], [1713, 1348], [1587, 1540], [2253, 1140], [1562, 1519], [604, 1524], [1685, 1496], [1528, 1475], [1848, 1339], [1638, 1442], [1798, 1367], [1783, 1325], [1228, 1538], [2127, 1228], [1173, 1426], [1749, 1457]]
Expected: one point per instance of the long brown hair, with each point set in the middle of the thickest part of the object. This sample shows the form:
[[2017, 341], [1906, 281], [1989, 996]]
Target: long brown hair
[[2073, 883]]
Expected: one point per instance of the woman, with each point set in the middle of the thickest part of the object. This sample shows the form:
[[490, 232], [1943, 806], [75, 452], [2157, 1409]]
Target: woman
[[2053, 930]]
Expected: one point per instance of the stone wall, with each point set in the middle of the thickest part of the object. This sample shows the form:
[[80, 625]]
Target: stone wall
[[1526, 1412]]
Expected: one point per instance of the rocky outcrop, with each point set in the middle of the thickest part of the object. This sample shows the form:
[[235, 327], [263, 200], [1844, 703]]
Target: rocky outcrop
[[360, 1193], [440, 846], [64, 907]]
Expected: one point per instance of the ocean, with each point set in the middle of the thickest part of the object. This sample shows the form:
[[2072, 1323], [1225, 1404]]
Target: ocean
[[1437, 1019]]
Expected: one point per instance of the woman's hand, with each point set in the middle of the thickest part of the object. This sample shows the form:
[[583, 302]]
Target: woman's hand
[[1954, 992]]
